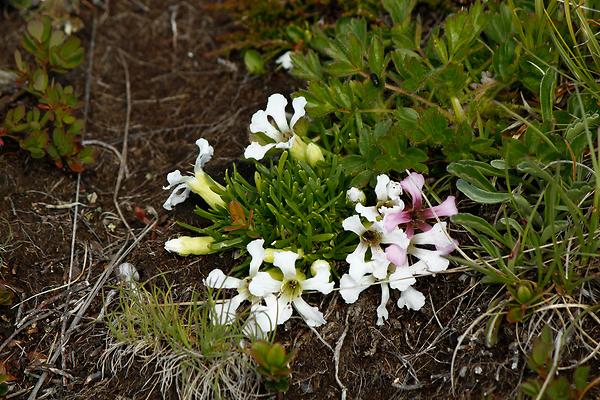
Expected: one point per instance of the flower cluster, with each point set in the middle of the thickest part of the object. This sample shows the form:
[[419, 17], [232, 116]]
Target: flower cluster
[[399, 239], [271, 292], [392, 224]]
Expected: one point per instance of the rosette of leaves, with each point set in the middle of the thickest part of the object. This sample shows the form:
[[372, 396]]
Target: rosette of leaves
[[290, 205], [50, 127], [273, 363]]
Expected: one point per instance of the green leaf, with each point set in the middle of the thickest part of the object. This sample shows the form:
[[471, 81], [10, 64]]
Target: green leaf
[[36, 29], [547, 89], [376, 56], [580, 377], [40, 80], [480, 225], [479, 195], [470, 174]]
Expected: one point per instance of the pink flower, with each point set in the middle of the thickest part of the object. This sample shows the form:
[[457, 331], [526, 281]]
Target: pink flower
[[415, 216]]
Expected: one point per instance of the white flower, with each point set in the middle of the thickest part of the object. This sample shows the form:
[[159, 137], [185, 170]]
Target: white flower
[[283, 133], [411, 298], [199, 183], [285, 60], [388, 199], [400, 279], [371, 238], [356, 195], [225, 310], [430, 261], [289, 290]]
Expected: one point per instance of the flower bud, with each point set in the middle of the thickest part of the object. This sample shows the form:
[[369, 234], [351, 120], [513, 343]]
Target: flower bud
[[356, 195], [314, 154], [203, 185], [186, 245], [298, 149], [319, 266]]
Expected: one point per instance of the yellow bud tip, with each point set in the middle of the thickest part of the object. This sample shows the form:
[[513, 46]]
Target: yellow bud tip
[[314, 154], [186, 245]]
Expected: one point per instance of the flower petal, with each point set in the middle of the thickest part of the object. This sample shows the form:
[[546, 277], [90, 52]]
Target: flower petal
[[413, 184], [396, 237], [381, 187], [356, 195], [438, 236], [319, 282], [286, 262], [218, 280], [351, 288], [434, 260], [260, 123], [298, 104], [257, 252], [276, 109], [369, 213], [402, 278], [275, 312], [412, 299], [393, 219], [396, 255], [257, 151], [353, 224], [285, 60], [177, 196], [380, 263], [225, 310], [382, 312], [310, 314], [263, 284], [206, 153], [446, 209]]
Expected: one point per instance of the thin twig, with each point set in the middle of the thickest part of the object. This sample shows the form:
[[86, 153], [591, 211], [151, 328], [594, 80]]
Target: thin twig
[[123, 164]]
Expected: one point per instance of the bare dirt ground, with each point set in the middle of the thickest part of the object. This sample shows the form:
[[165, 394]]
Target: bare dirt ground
[[152, 93]]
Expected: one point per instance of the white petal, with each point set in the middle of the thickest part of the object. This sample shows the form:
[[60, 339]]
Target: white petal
[[353, 224], [276, 312], [396, 236], [257, 151], [350, 288], [319, 282], [298, 104], [260, 123], [175, 178], [276, 109], [263, 284], [380, 263], [411, 298], [224, 310], [177, 196], [310, 314], [285, 60], [438, 236], [434, 260], [383, 210], [356, 195], [369, 213], [286, 262], [381, 187], [402, 278], [206, 153], [382, 312], [394, 190], [257, 252], [218, 280]]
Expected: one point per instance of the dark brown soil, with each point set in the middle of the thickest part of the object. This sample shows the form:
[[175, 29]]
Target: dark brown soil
[[179, 95]]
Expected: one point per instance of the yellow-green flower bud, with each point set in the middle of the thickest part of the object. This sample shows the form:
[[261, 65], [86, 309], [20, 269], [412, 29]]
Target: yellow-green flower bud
[[314, 154], [204, 185], [186, 245], [298, 149]]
